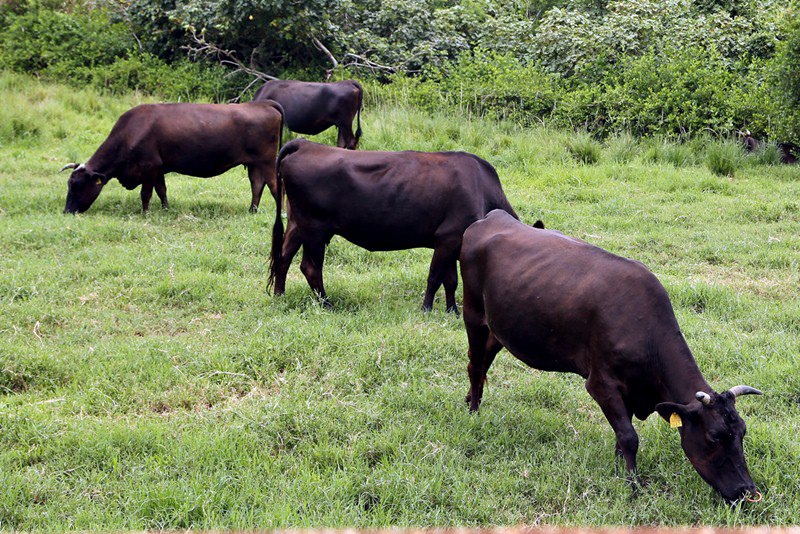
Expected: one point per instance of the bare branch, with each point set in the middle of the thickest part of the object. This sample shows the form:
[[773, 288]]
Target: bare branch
[[321, 47], [203, 48]]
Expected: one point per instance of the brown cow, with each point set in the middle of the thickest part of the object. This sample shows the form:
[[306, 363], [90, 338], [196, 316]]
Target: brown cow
[[560, 304], [312, 108], [380, 201], [202, 140]]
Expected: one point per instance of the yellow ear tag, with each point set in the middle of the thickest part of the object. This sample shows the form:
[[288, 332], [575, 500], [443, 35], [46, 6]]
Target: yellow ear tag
[[675, 421], [99, 181]]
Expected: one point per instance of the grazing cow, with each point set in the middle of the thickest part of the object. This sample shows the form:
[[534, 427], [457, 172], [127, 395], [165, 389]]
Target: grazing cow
[[202, 140], [789, 152], [560, 304], [312, 107], [380, 201]]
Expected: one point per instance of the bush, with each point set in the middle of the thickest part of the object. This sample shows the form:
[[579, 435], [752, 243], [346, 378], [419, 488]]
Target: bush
[[38, 40], [583, 148], [677, 92], [725, 157]]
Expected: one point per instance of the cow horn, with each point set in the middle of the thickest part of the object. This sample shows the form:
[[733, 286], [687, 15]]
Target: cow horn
[[68, 166], [703, 397], [744, 390]]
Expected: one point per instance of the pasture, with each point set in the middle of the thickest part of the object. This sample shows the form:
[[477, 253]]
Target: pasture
[[148, 381]]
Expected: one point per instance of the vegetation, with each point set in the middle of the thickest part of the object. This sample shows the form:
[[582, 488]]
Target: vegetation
[[147, 381], [678, 68]]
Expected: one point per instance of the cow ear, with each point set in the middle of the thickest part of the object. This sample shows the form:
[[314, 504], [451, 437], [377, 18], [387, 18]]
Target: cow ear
[[100, 178], [667, 409]]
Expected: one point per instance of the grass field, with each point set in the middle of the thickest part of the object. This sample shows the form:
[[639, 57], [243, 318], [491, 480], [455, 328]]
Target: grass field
[[148, 381]]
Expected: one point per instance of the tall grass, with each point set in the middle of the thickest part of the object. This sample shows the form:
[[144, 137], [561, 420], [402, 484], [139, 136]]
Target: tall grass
[[147, 381]]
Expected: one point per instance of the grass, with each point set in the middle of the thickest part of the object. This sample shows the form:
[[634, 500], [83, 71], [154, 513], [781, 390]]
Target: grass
[[147, 381]]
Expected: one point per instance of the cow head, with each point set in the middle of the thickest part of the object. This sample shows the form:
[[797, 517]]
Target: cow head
[[711, 436], [83, 187]]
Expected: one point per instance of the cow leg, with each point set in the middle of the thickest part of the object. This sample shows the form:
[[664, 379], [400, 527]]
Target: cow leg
[[161, 191], [291, 244], [347, 138], [443, 269], [610, 400], [483, 347], [147, 193], [261, 175], [311, 266], [450, 283]]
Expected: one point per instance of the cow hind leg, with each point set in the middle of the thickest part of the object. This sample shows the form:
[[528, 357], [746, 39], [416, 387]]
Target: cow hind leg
[[161, 190], [311, 266], [291, 244], [443, 270], [450, 283], [347, 138], [261, 175], [619, 417], [483, 348]]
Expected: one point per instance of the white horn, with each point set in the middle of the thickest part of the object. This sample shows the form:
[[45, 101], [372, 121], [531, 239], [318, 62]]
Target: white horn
[[703, 397], [68, 166], [744, 390]]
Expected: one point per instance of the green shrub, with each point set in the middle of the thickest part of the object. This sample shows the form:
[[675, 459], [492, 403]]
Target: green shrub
[[622, 147], [39, 39], [724, 157], [583, 148]]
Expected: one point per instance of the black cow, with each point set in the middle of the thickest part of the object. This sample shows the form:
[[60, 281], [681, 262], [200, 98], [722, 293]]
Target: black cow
[[312, 108], [380, 201], [789, 152], [560, 304], [202, 140]]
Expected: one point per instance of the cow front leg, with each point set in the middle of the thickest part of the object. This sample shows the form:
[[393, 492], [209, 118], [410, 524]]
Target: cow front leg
[[147, 193], [311, 266], [609, 397], [161, 191]]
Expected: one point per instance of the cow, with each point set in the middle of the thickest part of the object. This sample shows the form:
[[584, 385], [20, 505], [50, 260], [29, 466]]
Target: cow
[[379, 201], [202, 140], [312, 108], [788, 152], [560, 304]]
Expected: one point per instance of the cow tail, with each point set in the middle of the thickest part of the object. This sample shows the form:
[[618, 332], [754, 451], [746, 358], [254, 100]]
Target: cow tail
[[279, 107], [276, 253], [358, 115]]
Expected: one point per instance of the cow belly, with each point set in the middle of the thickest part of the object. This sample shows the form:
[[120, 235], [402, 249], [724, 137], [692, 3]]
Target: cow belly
[[376, 238], [530, 331]]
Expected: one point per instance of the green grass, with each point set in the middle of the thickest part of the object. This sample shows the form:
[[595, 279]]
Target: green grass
[[147, 381]]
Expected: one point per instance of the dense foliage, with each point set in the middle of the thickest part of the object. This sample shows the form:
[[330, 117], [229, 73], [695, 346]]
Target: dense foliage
[[670, 67]]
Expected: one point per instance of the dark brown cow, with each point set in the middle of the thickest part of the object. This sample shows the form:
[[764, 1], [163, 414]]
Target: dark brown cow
[[380, 201], [202, 140], [788, 152], [560, 304], [312, 108]]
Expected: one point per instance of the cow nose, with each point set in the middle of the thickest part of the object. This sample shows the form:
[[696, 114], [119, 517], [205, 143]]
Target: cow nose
[[744, 491]]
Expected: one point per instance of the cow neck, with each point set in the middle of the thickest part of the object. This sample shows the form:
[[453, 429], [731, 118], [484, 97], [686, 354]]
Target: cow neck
[[681, 377], [106, 158]]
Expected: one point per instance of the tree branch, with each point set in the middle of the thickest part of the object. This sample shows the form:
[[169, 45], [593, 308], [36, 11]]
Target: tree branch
[[321, 47], [203, 48]]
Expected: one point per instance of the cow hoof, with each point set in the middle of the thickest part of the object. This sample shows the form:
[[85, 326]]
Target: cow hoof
[[453, 310], [427, 308], [253, 209]]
